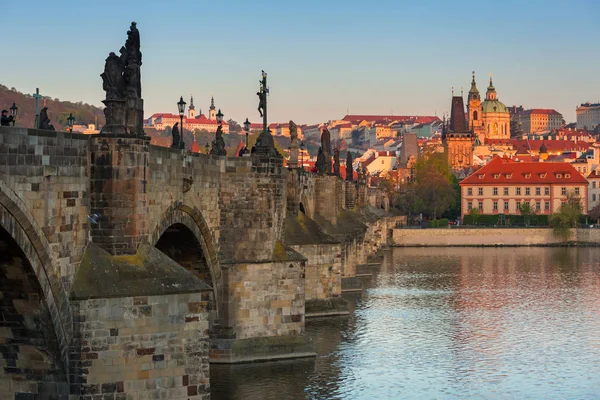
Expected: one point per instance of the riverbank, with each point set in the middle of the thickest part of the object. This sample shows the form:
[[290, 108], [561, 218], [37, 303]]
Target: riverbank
[[492, 237]]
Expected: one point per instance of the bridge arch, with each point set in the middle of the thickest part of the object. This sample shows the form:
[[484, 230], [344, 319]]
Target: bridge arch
[[35, 311], [184, 221]]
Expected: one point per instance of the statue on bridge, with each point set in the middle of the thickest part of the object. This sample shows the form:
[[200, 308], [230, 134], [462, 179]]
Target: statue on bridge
[[218, 148], [336, 162], [294, 145], [176, 137], [121, 80], [349, 169], [326, 148], [45, 121], [321, 163]]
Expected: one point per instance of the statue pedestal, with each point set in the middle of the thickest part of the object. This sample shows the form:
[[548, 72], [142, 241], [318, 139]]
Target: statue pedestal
[[135, 116], [115, 113]]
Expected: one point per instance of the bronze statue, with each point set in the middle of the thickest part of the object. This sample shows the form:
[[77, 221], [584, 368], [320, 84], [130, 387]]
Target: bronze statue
[[336, 162], [261, 102], [176, 137], [45, 121], [321, 163], [349, 169]]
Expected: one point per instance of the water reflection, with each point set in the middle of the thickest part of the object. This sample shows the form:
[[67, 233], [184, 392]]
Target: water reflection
[[451, 323]]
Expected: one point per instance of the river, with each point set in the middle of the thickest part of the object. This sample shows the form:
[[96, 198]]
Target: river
[[450, 323]]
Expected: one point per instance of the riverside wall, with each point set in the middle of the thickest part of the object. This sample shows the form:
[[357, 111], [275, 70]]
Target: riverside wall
[[490, 237]]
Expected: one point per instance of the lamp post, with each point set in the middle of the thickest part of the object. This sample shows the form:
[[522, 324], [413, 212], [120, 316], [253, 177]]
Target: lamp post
[[207, 147], [13, 112], [220, 117], [70, 121], [247, 130], [181, 108], [302, 148]]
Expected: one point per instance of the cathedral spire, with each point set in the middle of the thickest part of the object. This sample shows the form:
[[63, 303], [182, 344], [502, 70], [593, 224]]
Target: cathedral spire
[[473, 85], [192, 103], [212, 102], [491, 91]]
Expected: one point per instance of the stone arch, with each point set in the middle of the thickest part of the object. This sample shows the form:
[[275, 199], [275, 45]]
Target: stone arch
[[193, 220], [20, 227]]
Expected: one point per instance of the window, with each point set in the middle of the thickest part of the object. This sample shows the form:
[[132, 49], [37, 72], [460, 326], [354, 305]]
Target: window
[[506, 191], [546, 191], [593, 184], [563, 191], [480, 191], [562, 203], [594, 197], [470, 192], [577, 191], [495, 206], [538, 206], [470, 205], [527, 192], [538, 191], [547, 205], [518, 191], [506, 205], [495, 191]]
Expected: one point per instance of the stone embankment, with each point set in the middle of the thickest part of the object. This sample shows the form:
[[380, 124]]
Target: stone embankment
[[491, 237]]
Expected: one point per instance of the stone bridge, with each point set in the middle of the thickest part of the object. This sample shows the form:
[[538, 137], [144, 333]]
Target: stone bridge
[[125, 267]]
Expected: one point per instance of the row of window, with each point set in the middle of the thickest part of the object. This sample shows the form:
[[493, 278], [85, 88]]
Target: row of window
[[538, 191], [538, 205]]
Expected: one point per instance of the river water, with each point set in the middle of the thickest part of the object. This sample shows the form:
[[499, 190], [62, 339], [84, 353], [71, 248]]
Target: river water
[[505, 323]]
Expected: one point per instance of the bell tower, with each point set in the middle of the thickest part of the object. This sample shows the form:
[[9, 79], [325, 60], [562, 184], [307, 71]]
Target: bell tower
[[212, 111], [192, 109], [474, 110]]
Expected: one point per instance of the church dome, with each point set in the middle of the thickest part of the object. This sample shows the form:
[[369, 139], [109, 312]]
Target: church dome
[[494, 106]]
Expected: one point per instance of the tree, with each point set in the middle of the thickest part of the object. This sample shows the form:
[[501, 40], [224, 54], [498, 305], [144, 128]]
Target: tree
[[526, 211], [567, 216], [433, 187], [595, 213], [234, 127], [475, 214]]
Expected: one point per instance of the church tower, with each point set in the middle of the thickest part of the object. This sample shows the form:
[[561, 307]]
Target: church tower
[[458, 139], [212, 111], [192, 109], [474, 110]]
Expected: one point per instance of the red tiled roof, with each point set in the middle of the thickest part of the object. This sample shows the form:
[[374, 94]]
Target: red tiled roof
[[547, 111], [390, 118], [504, 170], [535, 144]]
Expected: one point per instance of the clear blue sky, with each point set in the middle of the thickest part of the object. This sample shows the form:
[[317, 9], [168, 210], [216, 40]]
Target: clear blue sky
[[323, 57]]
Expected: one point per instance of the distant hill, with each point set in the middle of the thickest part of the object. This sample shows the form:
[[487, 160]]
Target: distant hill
[[58, 111]]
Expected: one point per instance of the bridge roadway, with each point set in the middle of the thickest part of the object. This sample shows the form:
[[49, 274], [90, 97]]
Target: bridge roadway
[[192, 259]]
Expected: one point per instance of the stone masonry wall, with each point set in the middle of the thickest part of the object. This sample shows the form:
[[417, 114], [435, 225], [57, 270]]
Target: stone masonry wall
[[266, 299], [47, 171], [327, 197], [137, 348], [323, 270]]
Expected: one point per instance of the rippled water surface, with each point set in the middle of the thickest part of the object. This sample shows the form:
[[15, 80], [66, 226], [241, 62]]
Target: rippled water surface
[[449, 324]]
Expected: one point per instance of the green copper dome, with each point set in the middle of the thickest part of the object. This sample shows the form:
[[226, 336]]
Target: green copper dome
[[493, 106]]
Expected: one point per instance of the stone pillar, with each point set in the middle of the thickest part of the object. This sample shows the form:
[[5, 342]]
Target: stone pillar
[[326, 198], [350, 195], [118, 193]]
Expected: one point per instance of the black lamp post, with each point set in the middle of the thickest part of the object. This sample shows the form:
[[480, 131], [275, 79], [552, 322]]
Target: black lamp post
[[181, 108], [14, 110], [207, 147], [302, 148], [70, 121], [247, 130], [220, 117]]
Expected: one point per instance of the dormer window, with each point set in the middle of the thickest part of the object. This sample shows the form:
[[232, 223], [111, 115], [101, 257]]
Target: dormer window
[[496, 176], [559, 176], [567, 176], [481, 176], [527, 176], [543, 175], [508, 176]]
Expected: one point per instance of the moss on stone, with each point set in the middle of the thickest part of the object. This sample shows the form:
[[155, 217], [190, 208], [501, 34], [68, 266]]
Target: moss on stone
[[302, 230]]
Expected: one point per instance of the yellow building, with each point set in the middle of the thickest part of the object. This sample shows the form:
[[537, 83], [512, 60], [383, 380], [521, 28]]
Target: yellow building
[[489, 119], [539, 120]]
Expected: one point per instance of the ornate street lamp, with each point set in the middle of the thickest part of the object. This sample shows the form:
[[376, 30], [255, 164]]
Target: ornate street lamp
[[302, 148], [220, 117], [181, 108], [70, 121], [14, 110], [247, 130]]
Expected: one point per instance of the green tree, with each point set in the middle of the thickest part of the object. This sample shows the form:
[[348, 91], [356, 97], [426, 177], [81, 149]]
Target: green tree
[[475, 215], [434, 190], [234, 127], [567, 216], [527, 211], [595, 213]]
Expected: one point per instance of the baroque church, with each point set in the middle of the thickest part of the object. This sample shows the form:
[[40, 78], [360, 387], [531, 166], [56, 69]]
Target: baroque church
[[483, 121]]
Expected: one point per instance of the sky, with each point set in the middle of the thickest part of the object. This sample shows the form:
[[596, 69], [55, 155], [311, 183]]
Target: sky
[[323, 58]]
